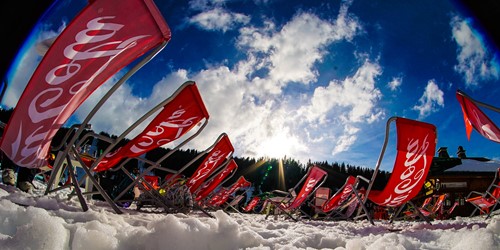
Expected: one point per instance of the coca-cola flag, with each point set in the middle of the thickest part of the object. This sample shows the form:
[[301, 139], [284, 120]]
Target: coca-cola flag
[[178, 116], [222, 150], [314, 177], [205, 190], [477, 119], [416, 146], [102, 39]]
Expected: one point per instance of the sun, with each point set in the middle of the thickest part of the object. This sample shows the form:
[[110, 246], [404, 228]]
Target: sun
[[278, 146]]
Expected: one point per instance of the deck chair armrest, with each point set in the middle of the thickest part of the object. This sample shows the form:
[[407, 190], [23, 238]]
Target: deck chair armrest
[[472, 193], [280, 192], [359, 177]]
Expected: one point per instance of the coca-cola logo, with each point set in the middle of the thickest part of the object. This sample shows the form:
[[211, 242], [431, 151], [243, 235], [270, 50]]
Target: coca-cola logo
[[64, 82], [308, 187], [253, 202], [212, 160], [345, 193], [154, 138], [415, 169]]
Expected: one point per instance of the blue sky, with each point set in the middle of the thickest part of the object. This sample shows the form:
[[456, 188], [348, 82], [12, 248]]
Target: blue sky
[[306, 79]]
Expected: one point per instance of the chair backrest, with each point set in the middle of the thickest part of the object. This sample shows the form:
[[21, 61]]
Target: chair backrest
[[224, 196], [217, 180], [315, 177], [234, 202], [416, 146], [439, 203], [340, 196], [220, 153], [178, 114], [476, 118], [103, 38], [426, 202], [252, 204]]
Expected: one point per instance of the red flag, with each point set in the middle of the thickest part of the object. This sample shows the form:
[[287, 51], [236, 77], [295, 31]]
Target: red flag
[[207, 189], [102, 39], [220, 152], [416, 146], [177, 117], [475, 118]]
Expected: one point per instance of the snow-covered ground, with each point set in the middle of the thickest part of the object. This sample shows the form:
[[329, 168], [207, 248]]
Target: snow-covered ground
[[54, 222]]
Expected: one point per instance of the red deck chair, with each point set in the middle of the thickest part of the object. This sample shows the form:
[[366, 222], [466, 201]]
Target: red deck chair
[[335, 206], [289, 203], [101, 40], [427, 210], [175, 117], [222, 196], [216, 157], [416, 146], [488, 201], [219, 179], [252, 204]]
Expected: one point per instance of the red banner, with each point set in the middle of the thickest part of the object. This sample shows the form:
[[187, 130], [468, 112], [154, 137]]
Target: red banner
[[105, 37], [314, 177], [177, 117], [216, 181], [219, 153], [416, 146], [475, 118]]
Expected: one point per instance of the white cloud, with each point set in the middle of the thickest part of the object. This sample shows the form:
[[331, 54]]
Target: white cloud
[[430, 101], [344, 105], [395, 83], [218, 19], [356, 94], [290, 53], [475, 62]]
